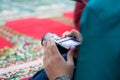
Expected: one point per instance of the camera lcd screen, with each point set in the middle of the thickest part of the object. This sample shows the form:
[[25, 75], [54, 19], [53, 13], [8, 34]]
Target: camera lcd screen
[[69, 43]]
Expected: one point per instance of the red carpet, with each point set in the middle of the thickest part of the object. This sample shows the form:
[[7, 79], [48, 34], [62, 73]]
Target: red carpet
[[4, 43], [69, 14], [35, 27]]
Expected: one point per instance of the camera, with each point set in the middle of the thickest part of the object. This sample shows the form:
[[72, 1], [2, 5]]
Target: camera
[[63, 44]]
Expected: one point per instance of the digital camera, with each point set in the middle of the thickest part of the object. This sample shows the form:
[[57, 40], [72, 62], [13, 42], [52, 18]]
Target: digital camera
[[63, 44]]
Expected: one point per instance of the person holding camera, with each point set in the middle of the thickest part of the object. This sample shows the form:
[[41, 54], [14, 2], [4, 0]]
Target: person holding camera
[[52, 55], [51, 47], [99, 54]]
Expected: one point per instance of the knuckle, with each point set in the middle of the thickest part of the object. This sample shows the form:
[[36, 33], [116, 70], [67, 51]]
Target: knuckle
[[53, 46]]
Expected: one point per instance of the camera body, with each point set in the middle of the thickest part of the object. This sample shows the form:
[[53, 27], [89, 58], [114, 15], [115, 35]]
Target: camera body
[[63, 44]]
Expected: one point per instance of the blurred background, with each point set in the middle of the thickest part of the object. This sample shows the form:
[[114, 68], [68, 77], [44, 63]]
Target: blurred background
[[22, 25], [12, 9]]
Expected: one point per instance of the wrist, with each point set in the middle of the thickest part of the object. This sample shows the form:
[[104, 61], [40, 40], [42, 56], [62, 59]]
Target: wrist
[[65, 77]]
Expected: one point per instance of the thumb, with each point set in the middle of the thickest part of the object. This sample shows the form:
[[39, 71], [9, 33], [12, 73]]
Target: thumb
[[70, 56]]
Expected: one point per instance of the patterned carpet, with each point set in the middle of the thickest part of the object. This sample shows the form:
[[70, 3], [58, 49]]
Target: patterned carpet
[[15, 61], [21, 52]]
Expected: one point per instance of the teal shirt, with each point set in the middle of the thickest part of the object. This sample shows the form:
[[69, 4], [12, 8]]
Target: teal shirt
[[99, 55]]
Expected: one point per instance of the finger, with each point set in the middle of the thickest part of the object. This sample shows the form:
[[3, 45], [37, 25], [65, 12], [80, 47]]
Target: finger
[[54, 48], [70, 56], [46, 49], [65, 34], [45, 57], [44, 43], [54, 51], [48, 42], [71, 33], [44, 60], [76, 34]]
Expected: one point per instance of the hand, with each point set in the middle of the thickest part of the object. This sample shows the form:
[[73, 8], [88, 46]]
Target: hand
[[77, 35], [55, 65], [73, 33]]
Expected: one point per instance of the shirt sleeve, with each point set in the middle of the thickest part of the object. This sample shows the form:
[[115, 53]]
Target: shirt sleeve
[[99, 55]]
